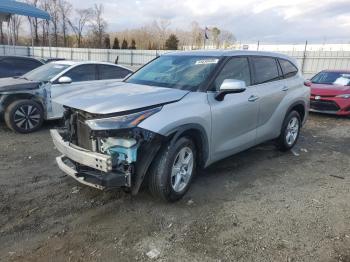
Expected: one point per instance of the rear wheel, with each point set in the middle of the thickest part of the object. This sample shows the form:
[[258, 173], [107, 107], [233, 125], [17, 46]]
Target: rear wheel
[[24, 116], [172, 170], [289, 132]]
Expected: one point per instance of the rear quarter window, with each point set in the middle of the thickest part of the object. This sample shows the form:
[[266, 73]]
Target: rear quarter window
[[288, 69]]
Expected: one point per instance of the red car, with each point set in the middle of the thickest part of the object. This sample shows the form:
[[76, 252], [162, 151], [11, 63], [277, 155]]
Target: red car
[[330, 92]]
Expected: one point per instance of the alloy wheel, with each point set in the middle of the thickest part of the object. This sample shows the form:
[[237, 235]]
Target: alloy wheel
[[27, 117], [182, 169], [292, 131]]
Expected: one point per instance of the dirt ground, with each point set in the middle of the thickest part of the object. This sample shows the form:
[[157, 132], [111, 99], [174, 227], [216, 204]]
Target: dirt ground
[[260, 205]]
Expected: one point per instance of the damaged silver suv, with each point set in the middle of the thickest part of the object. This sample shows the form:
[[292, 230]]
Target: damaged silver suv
[[181, 112]]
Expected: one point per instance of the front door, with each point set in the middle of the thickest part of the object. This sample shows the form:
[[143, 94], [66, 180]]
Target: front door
[[234, 119]]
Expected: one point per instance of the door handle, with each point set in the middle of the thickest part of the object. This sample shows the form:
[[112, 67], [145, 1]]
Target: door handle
[[285, 88], [253, 98]]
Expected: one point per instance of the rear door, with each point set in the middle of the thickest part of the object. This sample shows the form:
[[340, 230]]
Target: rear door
[[78, 74], [271, 89], [233, 119]]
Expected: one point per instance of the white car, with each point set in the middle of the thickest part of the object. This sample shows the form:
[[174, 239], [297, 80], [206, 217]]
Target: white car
[[26, 101]]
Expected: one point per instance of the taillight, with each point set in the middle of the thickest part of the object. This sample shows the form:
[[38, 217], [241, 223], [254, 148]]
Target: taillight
[[307, 83]]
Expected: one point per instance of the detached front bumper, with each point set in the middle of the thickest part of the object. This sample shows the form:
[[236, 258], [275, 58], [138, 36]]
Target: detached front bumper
[[96, 169]]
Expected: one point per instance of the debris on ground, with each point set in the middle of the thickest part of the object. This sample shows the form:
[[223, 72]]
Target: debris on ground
[[190, 202], [340, 177], [154, 253], [294, 152], [75, 190]]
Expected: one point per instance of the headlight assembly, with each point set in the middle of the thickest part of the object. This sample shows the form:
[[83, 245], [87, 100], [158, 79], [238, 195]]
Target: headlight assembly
[[346, 96], [121, 122]]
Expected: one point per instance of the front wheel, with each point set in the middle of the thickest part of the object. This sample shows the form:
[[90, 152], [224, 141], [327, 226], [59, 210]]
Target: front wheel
[[24, 116], [289, 132], [172, 170]]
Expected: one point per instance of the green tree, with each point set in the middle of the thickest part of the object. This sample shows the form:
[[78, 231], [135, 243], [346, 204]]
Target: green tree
[[133, 44], [124, 44], [107, 42], [116, 43], [172, 42]]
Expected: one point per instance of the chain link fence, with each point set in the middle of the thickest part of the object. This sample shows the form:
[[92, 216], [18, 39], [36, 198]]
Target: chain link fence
[[311, 62]]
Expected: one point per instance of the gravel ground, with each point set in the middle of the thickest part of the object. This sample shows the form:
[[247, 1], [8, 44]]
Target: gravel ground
[[260, 205]]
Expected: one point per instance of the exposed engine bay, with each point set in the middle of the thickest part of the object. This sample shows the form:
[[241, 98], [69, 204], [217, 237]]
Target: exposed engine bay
[[131, 151]]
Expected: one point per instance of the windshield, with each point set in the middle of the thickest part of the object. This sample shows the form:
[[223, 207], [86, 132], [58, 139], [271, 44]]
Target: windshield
[[180, 72], [45, 73], [331, 78]]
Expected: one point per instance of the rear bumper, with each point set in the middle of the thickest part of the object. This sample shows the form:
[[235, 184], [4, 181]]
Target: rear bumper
[[330, 105]]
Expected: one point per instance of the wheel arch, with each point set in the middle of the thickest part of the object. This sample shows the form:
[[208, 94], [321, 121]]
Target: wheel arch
[[300, 107], [8, 99], [199, 136]]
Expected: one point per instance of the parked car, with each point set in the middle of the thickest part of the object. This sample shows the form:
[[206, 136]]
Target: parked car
[[26, 101], [330, 92], [181, 112], [18, 65]]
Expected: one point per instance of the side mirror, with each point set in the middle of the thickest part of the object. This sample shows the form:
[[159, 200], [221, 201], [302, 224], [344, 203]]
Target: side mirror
[[230, 86], [65, 80]]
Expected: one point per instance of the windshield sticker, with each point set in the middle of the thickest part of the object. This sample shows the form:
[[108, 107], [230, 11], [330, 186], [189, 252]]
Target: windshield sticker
[[207, 61]]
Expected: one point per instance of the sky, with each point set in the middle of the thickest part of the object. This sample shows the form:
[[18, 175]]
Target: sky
[[269, 21]]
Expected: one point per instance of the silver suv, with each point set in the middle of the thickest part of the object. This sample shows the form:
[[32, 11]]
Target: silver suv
[[181, 112]]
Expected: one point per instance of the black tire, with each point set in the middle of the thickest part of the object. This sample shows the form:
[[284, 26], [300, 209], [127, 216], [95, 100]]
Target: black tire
[[160, 180], [283, 143], [24, 116]]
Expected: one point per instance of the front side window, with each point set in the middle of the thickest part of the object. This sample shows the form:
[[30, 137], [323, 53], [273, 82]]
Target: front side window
[[236, 68], [332, 78], [265, 69], [178, 71], [46, 72], [288, 68], [82, 73]]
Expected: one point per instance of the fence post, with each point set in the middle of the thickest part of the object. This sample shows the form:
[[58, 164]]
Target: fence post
[[42, 52], [108, 55], [28, 50], [132, 57], [89, 54], [4, 49], [304, 58], [71, 53]]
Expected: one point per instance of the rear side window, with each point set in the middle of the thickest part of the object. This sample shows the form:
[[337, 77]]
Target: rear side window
[[112, 72], [82, 73], [288, 68], [265, 69], [236, 68]]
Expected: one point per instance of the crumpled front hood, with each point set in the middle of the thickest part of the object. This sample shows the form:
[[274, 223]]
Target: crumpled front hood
[[329, 90], [12, 84], [118, 97]]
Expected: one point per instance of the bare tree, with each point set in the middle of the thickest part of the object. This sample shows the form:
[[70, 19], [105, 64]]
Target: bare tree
[[35, 22], [65, 10], [54, 11], [15, 25], [98, 25], [2, 36], [83, 16]]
